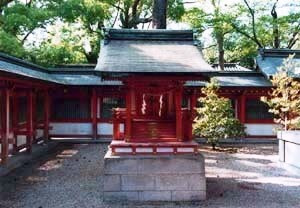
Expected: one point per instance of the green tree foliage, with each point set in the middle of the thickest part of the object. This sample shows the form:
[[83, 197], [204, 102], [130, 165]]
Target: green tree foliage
[[9, 42], [246, 26], [133, 13], [215, 119], [19, 20], [284, 99], [64, 46]]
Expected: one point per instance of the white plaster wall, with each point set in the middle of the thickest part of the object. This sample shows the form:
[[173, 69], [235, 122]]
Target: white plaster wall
[[21, 139], [261, 129], [292, 151], [71, 128], [39, 133], [107, 128]]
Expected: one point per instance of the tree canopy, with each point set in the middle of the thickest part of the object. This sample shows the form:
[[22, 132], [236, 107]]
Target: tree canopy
[[51, 32]]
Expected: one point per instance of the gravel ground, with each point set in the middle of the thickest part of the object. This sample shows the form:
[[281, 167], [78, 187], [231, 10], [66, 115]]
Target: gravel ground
[[246, 176]]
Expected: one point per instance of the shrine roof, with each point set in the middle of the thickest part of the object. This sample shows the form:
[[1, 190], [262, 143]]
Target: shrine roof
[[87, 76], [269, 60], [151, 51], [235, 81], [19, 67]]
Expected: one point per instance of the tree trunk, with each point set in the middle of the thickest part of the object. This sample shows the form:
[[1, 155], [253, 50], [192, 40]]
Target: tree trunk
[[276, 43], [220, 42], [159, 14]]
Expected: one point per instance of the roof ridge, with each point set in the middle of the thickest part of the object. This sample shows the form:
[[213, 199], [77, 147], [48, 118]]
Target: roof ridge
[[22, 62], [278, 52], [158, 34]]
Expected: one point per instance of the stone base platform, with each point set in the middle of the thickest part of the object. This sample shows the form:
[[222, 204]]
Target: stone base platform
[[154, 177]]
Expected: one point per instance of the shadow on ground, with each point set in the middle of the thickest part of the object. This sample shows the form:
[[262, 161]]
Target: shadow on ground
[[71, 177]]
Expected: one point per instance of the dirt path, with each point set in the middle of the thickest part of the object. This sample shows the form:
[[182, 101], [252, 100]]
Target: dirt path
[[71, 177]]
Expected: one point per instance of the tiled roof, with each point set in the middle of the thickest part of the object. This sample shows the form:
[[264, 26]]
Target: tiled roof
[[234, 67], [236, 81], [149, 51], [86, 75], [269, 60]]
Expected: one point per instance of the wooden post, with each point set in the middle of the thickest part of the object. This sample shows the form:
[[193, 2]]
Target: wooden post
[[94, 113], [128, 114], [29, 121], [178, 100], [243, 108], [34, 120], [15, 127], [116, 125], [46, 116], [4, 105], [193, 103]]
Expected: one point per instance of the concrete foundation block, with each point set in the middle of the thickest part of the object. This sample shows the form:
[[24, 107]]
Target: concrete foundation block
[[180, 182], [154, 177], [112, 183], [155, 196], [120, 166], [121, 196], [187, 164], [137, 182], [188, 195]]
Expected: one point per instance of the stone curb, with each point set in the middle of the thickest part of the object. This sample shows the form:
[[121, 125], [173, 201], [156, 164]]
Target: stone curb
[[20, 159]]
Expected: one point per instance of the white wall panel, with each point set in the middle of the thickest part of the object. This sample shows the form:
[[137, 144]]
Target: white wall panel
[[71, 128], [260, 129], [107, 128]]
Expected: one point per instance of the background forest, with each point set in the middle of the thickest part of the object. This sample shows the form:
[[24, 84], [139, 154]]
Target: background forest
[[54, 32]]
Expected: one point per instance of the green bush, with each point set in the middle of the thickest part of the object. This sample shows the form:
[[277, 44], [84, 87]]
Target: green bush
[[215, 118]]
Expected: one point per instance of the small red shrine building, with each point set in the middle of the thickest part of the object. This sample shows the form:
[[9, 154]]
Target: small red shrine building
[[144, 88]]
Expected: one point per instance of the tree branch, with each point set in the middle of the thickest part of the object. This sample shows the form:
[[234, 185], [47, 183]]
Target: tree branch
[[237, 29], [116, 6], [134, 7], [26, 36], [118, 11], [214, 45], [295, 37], [252, 13], [275, 26]]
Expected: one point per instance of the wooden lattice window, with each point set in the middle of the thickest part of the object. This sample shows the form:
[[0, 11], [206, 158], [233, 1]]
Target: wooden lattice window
[[185, 102], [40, 108], [70, 109], [257, 110], [108, 103], [22, 109]]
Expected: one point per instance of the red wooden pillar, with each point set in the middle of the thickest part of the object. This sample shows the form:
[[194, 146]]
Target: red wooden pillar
[[116, 125], [193, 103], [34, 120], [178, 100], [128, 114], [29, 121], [243, 108], [4, 105], [15, 110], [94, 113], [46, 116]]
